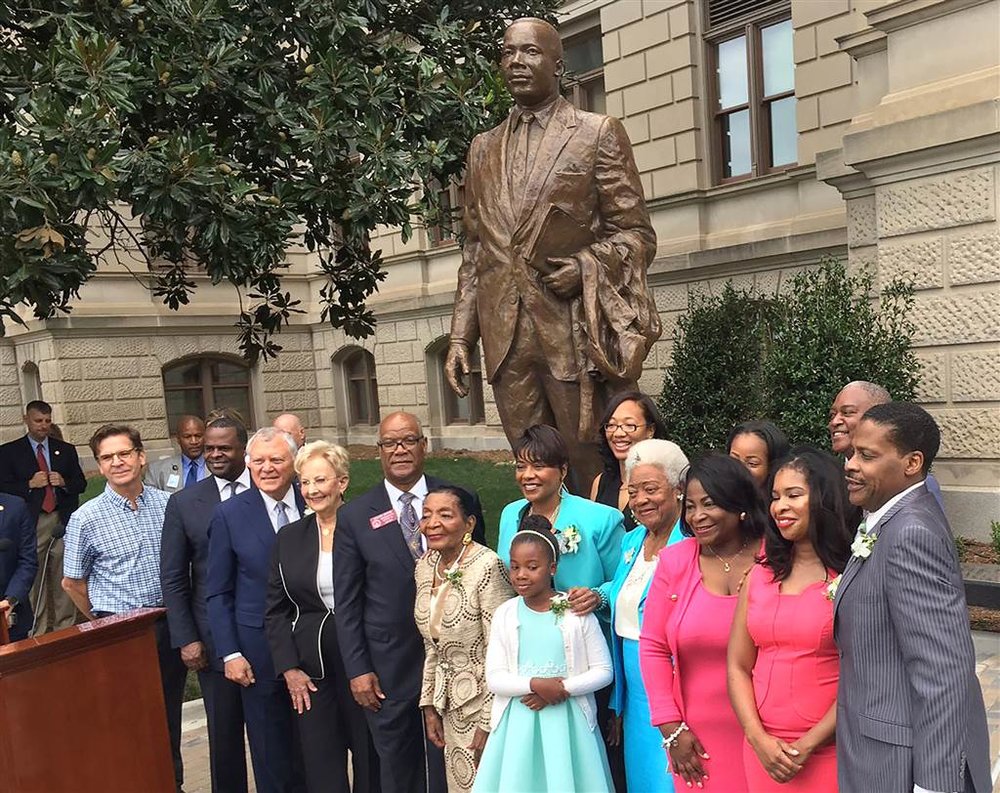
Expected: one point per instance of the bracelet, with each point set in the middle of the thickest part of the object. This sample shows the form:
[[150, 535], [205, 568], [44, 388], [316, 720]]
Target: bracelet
[[601, 596], [671, 739]]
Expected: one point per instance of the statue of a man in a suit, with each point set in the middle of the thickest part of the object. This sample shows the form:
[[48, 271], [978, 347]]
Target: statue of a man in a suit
[[558, 240]]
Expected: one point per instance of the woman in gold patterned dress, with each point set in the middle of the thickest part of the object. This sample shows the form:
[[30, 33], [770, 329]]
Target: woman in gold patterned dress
[[459, 585]]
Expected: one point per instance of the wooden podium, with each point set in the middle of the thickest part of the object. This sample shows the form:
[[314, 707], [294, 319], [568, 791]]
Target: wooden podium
[[82, 710]]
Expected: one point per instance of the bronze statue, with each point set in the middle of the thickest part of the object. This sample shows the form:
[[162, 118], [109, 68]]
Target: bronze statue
[[558, 241]]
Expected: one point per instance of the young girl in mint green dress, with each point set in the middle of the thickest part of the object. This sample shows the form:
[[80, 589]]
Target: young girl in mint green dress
[[543, 664]]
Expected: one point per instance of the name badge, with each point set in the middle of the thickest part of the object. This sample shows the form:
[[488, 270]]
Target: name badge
[[384, 519], [173, 480]]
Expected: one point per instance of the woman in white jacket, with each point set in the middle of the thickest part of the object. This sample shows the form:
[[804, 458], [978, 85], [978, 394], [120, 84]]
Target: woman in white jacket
[[543, 664]]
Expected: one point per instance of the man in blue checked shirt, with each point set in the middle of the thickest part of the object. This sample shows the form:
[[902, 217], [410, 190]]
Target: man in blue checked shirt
[[112, 559]]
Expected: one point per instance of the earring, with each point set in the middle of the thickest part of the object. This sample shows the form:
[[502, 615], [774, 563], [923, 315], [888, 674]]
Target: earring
[[467, 538], [743, 516]]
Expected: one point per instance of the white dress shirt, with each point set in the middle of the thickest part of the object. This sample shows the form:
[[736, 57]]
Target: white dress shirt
[[291, 508], [419, 490], [242, 483]]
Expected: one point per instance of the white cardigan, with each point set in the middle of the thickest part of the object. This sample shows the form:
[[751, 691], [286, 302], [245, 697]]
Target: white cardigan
[[588, 662]]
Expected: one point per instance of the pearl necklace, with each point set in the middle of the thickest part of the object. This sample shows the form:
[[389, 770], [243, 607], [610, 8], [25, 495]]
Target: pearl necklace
[[452, 568]]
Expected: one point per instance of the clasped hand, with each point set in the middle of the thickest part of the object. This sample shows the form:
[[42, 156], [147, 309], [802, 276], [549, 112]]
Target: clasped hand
[[567, 278], [545, 691]]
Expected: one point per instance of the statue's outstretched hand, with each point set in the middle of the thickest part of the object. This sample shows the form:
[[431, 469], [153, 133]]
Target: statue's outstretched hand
[[456, 368], [567, 279]]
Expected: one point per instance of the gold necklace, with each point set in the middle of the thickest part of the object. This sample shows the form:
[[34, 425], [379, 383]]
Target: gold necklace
[[553, 516], [726, 565]]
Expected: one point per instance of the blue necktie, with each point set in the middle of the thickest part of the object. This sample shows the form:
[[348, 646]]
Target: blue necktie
[[192, 476], [280, 514]]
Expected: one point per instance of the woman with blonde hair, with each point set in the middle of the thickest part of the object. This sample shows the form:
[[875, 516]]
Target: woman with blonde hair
[[303, 636]]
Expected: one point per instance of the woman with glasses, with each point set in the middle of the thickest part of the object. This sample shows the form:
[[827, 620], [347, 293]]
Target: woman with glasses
[[630, 417], [589, 536]]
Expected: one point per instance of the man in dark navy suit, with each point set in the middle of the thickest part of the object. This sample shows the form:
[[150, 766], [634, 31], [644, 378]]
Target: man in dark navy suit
[[46, 473], [241, 538], [378, 543], [18, 564], [183, 572]]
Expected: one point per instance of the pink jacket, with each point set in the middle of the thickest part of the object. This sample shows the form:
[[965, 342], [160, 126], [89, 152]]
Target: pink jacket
[[674, 582]]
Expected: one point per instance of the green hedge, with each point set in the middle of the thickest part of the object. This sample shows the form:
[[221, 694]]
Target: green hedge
[[742, 354]]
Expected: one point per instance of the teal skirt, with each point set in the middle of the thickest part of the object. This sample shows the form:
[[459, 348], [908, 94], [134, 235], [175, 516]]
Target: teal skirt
[[552, 750]]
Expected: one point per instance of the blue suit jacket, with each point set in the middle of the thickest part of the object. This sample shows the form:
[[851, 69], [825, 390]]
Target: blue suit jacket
[[601, 530], [19, 563], [184, 565], [631, 548], [240, 541]]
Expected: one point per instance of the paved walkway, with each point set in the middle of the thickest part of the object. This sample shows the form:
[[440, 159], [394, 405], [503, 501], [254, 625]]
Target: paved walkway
[[194, 741]]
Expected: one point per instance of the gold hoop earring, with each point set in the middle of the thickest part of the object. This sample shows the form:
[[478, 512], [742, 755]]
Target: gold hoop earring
[[467, 538]]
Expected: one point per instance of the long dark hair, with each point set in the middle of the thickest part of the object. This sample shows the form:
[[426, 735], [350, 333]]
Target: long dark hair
[[729, 484], [649, 411], [774, 439], [829, 507]]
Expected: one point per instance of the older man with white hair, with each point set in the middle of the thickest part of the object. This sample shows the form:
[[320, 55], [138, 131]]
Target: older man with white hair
[[654, 476], [292, 424], [241, 537]]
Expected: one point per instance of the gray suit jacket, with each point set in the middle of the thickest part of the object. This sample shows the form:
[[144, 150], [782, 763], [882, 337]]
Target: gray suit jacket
[[159, 473], [909, 706]]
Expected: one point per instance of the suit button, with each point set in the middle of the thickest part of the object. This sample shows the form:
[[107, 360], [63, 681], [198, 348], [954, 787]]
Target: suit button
[[673, 597]]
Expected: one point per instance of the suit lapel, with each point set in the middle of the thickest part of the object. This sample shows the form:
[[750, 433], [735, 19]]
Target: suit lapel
[[561, 127], [502, 201], [258, 519], [390, 533]]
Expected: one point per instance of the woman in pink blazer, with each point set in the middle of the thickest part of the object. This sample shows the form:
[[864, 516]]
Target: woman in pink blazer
[[689, 612]]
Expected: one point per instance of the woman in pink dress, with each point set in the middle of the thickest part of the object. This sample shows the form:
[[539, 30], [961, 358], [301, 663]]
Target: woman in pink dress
[[783, 664], [685, 630]]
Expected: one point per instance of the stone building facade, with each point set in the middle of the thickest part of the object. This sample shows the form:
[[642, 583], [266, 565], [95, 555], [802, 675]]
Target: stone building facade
[[768, 135]]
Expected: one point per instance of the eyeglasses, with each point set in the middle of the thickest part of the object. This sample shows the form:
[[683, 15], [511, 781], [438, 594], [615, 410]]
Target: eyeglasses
[[391, 444], [611, 428], [124, 456]]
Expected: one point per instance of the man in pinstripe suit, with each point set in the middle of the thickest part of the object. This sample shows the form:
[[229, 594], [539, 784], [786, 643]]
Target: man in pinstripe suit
[[910, 714]]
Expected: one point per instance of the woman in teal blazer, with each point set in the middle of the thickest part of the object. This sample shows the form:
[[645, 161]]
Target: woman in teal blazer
[[654, 471]]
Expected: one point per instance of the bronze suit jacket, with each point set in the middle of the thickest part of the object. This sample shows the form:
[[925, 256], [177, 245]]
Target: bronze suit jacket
[[585, 167]]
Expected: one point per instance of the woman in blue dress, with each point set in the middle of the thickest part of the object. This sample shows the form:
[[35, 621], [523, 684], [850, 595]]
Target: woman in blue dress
[[654, 472], [543, 664]]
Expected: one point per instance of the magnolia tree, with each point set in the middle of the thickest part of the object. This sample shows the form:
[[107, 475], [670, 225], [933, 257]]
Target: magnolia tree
[[207, 136]]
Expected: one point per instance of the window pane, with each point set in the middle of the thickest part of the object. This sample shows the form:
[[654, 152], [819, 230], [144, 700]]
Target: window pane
[[357, 393], [594, 100], [224, 372], [779, 66], [356, 365], [236, 398], [184, 374], [784, 138], [736, 143], [583, 55], [733, 72], [185, 402]]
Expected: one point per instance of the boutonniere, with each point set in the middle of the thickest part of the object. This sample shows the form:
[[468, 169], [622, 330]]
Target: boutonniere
[[569, 539], [831, 588], [559, 604], [863, 545], [629, 555]]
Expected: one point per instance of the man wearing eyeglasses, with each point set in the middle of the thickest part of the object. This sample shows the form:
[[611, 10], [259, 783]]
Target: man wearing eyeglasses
[[112, 559], [378, 543]]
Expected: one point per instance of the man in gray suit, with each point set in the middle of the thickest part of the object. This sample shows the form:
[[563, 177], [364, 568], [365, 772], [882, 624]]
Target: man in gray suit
[[175, 473], [910, 714]]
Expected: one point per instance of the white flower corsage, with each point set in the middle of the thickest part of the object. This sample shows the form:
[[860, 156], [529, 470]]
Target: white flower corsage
[[559, 604], [831, 588], [569, 540], [863, 545], [629, 555]]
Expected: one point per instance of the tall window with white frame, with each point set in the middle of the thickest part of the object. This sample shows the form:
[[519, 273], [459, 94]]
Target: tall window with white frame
[[753, 88], [469, 409], [198, 385], [362, 388]]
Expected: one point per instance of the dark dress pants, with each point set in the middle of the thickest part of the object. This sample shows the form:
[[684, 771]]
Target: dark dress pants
[[616, 754], [227, 752], [333, 725], [172, 676], [409, 763]]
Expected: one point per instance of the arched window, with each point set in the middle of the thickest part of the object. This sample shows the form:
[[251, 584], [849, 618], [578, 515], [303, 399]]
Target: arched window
[[468, 409], [31, 383], [197, 386], [362, 387]]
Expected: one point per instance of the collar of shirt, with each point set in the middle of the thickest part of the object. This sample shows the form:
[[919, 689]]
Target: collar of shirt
[[419, 490], [243, 479], [120, 502], [872, 518], [34, 444], [198, 462], [292, 511], [542, 115]]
